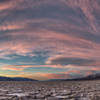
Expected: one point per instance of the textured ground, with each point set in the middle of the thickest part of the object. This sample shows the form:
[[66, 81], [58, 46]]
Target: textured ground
[[73, 90]]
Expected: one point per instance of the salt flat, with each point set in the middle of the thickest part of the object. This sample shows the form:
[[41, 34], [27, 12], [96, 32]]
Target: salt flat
[[56, 90]]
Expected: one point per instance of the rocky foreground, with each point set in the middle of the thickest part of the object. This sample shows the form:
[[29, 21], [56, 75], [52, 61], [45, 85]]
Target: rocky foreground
[[59, 90]]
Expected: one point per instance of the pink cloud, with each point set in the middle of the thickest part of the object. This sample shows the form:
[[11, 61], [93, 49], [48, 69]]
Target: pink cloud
[[11, 27], [69, 49], [12, 68], [7, 5], [87, 7], [22, 67]]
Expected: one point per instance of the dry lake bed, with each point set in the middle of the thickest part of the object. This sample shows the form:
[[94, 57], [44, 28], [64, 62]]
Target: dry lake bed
[[56, 90]]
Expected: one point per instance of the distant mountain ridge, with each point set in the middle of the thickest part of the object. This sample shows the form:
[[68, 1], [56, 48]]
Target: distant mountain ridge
[[89, 77], [95, 76], [92, 77], [2, 78]]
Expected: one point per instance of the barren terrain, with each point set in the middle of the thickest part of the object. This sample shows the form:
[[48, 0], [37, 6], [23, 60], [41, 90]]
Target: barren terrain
[[56, 90]]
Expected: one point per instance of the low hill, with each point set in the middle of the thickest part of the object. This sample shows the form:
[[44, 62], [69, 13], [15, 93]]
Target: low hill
[[15, 79], [89, 77]]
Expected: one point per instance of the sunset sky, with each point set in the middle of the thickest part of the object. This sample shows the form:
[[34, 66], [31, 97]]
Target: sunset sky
[[49, 39]]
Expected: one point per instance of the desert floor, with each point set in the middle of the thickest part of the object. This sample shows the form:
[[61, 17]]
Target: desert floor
[[56, 90]]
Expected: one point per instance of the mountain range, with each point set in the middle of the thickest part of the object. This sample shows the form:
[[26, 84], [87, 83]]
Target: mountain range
[[2, 78], [89, 77]]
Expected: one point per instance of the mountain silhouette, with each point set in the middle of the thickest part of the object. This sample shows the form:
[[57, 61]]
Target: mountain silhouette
[[2, 78]]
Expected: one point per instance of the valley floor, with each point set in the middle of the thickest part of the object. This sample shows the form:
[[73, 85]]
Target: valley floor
[[57, 90]]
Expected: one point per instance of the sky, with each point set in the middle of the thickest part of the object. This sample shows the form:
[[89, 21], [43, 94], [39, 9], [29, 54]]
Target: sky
[[49, 39]]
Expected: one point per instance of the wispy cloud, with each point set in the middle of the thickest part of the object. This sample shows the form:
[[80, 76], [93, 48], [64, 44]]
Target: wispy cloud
[[87, 7]]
